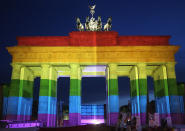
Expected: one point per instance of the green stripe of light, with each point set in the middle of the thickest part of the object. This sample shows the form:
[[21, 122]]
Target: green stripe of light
[[172, 86], [53, 88], [113, 87], [45, 86], [14, 87], [21, 88], [133, 87], [181, 89], [26, 88], [161, 88], [142, 86], [75, 87]]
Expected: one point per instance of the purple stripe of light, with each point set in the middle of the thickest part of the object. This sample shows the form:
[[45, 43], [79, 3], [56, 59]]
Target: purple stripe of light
[[50, 119], [143, 118], [178, 118], [74, 119], [163, 116], [18, 117], [113, 118]]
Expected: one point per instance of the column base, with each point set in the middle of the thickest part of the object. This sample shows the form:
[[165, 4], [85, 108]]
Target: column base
[[138, 120], [74, 119], [143, 118], [48, 119], [113, 118]]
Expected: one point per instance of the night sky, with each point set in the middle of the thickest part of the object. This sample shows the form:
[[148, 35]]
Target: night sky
[[57, 18]]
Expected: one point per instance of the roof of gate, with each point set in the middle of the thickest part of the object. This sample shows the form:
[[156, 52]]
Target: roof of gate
[[89, 38]]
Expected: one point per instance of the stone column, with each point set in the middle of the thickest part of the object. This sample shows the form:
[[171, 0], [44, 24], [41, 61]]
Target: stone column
[[113, 96], [21, 94], [142, 80], [176, 106], [25, 94], [134, 94], [161, 93], [75, 96], [47, 95], [12, 107]]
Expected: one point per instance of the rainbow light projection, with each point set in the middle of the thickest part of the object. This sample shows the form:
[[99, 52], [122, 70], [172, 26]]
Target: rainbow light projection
[[84, 54]]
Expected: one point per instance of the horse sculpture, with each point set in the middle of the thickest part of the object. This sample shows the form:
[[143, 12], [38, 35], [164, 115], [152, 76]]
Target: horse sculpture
[[99, 24], [108, 25], [87, 24], [79, 25], [93, 24]]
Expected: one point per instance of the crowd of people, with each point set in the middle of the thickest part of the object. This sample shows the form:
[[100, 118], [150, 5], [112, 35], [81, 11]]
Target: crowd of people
[[128, 123]]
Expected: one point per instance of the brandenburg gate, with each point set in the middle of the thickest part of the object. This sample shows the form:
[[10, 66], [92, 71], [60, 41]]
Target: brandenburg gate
[[136, 57]]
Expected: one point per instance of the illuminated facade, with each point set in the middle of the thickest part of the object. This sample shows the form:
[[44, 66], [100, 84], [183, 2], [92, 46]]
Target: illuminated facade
[[83, 54]]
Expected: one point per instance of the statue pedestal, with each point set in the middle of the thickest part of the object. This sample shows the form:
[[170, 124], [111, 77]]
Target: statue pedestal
[[93, 38]]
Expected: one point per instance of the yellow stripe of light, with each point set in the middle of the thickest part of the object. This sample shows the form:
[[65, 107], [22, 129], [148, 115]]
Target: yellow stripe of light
[[170, 68], [142, 71], [75, 71], [102, 54], [113, 71]]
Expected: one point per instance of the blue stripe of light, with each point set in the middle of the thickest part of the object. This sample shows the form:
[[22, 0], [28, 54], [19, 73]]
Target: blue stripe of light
[[46, 103], [114, 103], [12, 105], [135, 105], [19, 106], [52, 105], [143, 103], [74, 104], [181, 99], [25, 106], [162, 105], [175, 104]]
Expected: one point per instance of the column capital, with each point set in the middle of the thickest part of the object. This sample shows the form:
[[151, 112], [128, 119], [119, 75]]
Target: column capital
[[133, 73], [170, 68], [163, 72], [16, 70], [45, 71], [142, 70], [16, 65], [170, 64], [141, 65], [74, 66], [75, 72], [112, 71], [112, 66], [45, 65]]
